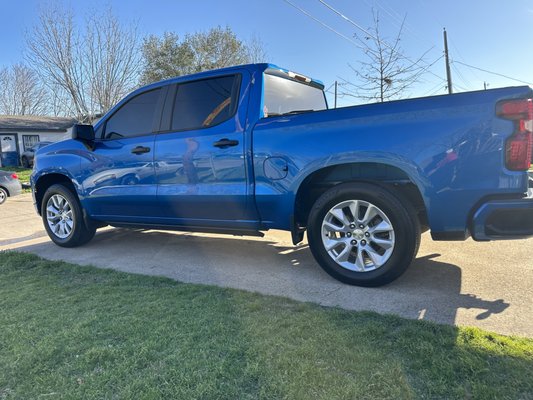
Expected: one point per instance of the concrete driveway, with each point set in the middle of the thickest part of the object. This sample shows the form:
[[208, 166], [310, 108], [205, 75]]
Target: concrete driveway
[[488, 285]]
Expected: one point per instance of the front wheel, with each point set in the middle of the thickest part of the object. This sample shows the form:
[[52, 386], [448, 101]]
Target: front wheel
[[63, 218], [363, 234]]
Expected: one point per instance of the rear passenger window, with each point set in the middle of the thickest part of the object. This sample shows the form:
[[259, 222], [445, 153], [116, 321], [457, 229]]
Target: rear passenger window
[[205, 103], [134, 118]]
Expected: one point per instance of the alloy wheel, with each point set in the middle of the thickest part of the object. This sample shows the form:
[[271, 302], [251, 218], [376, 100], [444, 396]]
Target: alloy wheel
[[59, 216], [358, 235]]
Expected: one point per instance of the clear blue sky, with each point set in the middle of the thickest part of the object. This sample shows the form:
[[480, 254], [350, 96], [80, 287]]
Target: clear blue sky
[[490, 34]]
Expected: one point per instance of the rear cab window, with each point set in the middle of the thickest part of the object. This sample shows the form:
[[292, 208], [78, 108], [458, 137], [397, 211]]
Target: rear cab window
[[289, 93], [205, 103]]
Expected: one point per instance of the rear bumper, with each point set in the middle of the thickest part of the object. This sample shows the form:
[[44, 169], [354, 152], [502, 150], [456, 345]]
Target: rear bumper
[[503, 219], [14, 188]]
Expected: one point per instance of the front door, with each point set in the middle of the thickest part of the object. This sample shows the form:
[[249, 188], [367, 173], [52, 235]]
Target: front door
[[9, 156], [200, 163], [119, 177]]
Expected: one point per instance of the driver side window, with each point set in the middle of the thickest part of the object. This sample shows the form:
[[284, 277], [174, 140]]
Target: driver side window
[[134, 118]]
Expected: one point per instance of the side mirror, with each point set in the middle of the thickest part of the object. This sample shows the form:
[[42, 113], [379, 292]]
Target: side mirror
[[83, 132]]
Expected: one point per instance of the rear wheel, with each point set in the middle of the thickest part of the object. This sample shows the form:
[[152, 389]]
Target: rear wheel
[[63, 218], [3, 195], [362, 234], [25, 162]]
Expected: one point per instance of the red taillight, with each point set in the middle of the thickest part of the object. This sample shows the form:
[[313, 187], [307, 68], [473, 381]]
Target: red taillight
[[518, 151], [519, 147], [14, 176], [515, 109]]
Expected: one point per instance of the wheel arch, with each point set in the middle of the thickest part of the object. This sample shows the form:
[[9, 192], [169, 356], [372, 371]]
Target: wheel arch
[[47, 180], [392, 177]]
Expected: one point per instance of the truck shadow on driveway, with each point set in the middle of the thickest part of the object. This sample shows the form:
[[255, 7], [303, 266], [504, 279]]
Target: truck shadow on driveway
[[429, 290]]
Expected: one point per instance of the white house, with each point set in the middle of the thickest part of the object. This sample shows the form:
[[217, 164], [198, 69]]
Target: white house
[[18, 133]]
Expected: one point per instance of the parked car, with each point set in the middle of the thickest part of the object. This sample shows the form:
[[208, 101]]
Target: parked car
[[9, 185], [26, 158], [246, 149]]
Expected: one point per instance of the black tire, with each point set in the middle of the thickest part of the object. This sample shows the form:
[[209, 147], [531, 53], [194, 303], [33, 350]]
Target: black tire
[[25, 162], [3, 195], [405, 224], [80, 233]]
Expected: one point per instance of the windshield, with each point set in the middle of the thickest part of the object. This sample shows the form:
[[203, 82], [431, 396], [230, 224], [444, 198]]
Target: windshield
[[285, 96]]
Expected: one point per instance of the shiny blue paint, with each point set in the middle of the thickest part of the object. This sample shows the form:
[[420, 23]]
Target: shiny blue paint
[[450, 147], [196, 180], [61, 158], [118, 183]]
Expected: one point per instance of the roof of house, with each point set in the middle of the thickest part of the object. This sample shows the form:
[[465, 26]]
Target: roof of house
[[35, 123]]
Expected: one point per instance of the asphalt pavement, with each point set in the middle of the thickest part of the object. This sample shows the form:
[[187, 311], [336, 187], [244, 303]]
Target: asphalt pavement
[[487, 285]]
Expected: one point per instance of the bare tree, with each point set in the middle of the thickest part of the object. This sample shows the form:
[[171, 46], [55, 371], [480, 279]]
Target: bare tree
[[55, 49], [255, 49], [60, 104], [113, 59], [21, 92], [94, 65], [385, 73]]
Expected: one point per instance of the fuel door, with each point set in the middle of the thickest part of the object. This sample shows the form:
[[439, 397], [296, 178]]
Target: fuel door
[[275, 168]]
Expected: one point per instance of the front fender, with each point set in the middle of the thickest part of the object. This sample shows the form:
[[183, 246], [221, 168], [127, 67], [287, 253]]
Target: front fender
[[62, 159]]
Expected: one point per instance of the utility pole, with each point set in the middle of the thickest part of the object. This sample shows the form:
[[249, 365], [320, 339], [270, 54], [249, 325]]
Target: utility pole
[[448, 72], [335, 94]]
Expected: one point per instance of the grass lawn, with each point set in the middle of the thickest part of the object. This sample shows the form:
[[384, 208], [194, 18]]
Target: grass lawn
[[71, 332]]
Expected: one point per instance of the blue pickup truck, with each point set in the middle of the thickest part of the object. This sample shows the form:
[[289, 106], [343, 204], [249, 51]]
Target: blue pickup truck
[[250, 148]]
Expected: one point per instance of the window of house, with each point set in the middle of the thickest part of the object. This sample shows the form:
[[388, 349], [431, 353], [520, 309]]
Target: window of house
[[29, 141], [205, 103], [134, 118]]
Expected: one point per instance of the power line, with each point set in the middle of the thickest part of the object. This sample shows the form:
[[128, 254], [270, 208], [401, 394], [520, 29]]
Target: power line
[[433, 63], [462, 58], [434, 16], [460, 75], [323, 24], [455, 85], [438, 87], [493, 73], [424, 68], [428, 66], [398, 20], [471, 66], [433, 93], [329, 87], [370, 35], [350, 21]]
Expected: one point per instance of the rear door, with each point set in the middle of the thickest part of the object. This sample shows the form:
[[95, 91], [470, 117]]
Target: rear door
[[200, 160], [119, 176]]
